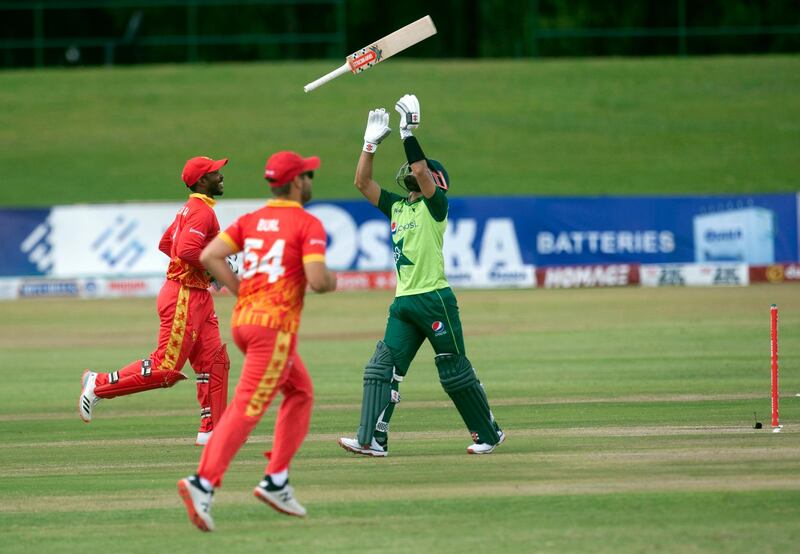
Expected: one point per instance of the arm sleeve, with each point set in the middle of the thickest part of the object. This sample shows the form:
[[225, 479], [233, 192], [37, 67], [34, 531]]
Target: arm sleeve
[[194, 236], [386, 201], [437, 204], [165, 244], [233, 235], [314, 242]]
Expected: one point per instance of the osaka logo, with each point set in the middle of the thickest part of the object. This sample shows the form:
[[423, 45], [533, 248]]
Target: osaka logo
[[438, 328]]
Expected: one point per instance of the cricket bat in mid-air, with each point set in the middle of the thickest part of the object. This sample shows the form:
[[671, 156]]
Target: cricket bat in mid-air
[[379, 50]]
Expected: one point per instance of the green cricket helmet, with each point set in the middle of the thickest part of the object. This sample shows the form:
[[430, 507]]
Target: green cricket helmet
[[405, 178]]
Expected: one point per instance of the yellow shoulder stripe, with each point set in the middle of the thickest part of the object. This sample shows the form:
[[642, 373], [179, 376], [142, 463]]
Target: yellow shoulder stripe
[[226, 238]]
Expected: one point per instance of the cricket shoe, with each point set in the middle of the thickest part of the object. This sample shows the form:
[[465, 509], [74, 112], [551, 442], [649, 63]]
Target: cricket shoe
[[486, 448], [198, 502], [202, 438], [375, 450], [279, 498], [87, 400]]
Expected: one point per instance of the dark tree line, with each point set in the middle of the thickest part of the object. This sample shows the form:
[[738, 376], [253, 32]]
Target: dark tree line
[[153, 32]]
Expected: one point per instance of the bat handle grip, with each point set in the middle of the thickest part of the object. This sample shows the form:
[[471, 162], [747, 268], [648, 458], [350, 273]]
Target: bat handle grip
[[329, 77]]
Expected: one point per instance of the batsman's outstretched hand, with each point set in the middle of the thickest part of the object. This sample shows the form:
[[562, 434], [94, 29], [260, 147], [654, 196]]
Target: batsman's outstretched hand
[[408, 108], [377, 129]]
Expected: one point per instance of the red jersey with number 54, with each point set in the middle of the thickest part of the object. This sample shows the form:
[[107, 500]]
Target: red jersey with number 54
[[277, 240]]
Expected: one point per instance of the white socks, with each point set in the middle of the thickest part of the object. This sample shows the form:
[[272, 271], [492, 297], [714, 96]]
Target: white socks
[[279, 479], [206, 483]]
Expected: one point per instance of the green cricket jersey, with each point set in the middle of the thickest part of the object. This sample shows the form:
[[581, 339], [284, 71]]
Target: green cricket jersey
[[417, 238]]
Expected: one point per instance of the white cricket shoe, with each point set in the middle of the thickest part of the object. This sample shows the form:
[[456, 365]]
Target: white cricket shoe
[[281, 499], [198, 502], [374, 449], [485, 448], [87, 400], [203, 438]]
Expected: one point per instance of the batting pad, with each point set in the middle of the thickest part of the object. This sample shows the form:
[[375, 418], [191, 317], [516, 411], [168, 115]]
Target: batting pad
[[131, 384], [377, 391], [219, 383], [459, 381]]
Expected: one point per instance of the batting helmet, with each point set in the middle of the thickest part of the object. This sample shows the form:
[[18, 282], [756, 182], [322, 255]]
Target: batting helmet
[[405, 178]]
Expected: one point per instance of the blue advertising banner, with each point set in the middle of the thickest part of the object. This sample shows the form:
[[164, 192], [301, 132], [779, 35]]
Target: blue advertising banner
[[24, 249], [489, 240], [555, 231], [758, 229]]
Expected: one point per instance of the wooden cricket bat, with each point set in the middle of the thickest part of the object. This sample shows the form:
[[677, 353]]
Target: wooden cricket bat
[[388, 46]]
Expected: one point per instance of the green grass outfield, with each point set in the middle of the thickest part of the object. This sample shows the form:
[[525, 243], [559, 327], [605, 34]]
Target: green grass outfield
[[629, 415], [564, 127]]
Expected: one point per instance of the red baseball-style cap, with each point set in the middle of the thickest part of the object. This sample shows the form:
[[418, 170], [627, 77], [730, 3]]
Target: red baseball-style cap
[[284, 166], [199, 166]]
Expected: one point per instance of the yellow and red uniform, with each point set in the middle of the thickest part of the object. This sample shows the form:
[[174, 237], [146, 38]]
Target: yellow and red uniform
[[277, 240], [189, 327]]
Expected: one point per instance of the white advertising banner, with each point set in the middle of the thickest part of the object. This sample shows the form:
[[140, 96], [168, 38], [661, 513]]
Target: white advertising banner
[[694, 275], [522, 276], [740, 235], [91, 287], [108, 240], [9, 288], [119, 239], [121, 288]]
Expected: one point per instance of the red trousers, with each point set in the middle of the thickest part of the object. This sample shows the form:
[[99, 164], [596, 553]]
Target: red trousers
[[189, 331], [271, 364]]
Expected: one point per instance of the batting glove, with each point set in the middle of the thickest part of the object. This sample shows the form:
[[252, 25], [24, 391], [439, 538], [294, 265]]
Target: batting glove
[[408, 108], [232, 264], [377, 129]]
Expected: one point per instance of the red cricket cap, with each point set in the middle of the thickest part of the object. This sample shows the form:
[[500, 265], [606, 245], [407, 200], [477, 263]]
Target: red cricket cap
[[284, 166], [199, 166]]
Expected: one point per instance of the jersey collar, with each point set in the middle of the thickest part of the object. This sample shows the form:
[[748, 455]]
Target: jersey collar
[[412, 202], [281, 203], [210, 202]]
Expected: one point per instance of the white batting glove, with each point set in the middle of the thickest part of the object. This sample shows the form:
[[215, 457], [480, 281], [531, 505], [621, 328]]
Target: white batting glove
[[377, 129], [408, 108], [232, 264]]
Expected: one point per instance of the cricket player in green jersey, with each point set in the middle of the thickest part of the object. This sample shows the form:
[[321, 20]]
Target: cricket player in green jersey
[[424, 306]]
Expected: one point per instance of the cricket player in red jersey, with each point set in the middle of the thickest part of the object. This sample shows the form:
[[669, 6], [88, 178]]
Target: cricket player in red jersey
[[284, 251], [189, 327]]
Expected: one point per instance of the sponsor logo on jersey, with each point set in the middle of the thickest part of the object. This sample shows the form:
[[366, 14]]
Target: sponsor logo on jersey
[[438, 328], [405, 227]]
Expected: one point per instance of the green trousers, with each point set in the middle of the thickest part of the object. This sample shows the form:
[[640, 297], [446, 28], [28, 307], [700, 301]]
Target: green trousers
[[414, 318]]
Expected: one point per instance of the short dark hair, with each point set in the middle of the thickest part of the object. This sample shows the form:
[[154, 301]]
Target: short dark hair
[[282, 190], [193, 188]]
